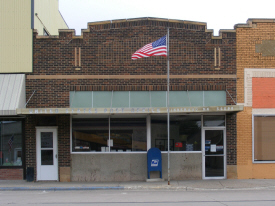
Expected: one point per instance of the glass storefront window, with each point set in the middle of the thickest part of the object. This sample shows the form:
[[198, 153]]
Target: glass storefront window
[[92, 135], [213, 120], [128, 135], [10, 143], [185, 132]]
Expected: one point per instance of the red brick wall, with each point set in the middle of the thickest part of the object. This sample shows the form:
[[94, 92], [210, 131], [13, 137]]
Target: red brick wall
[[11, 174], [106, 49], [63, 123], [263, 92], [231, 142]]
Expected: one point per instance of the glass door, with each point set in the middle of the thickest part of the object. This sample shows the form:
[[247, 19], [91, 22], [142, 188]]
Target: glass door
[[214, 154]]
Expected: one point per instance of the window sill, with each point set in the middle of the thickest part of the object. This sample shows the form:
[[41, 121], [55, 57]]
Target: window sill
[[264, 162], [143, 152]]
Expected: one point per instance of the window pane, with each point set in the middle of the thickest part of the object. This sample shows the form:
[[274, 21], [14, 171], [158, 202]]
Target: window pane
[[10, 143], [196, 98], [90, 135], [213, 121], [264, 141], [128, 135], [214, 166], [46, 157], [214, 98], [102, 99], [80, 99], [185, 132], [139, 99], [158, 99], [46, 140], [178, 99], [120, 99], [214, 137]]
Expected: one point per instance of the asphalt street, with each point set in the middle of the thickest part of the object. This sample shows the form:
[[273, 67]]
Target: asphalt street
[[140, 197]]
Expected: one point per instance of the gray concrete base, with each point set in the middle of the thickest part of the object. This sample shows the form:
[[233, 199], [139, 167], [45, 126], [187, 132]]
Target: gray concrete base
[[118, 167], [155, 180]]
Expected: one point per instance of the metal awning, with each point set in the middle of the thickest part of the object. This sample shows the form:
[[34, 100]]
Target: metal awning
[[12, 93], [133, 110]]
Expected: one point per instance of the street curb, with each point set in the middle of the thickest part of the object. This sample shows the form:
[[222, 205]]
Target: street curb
[[58, 188]]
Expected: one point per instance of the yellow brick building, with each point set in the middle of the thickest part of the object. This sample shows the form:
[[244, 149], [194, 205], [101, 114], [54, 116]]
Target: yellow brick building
[[255, 62], [17, 21]]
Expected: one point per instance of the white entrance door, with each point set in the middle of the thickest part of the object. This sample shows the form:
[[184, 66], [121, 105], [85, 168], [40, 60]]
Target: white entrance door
[[46, 153]]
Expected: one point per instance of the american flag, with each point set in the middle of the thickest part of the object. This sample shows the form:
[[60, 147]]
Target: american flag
[[157, 48], [10, 142]]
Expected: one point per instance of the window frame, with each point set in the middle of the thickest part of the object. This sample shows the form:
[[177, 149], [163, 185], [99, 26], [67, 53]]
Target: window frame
[[253, 141], [23, 144], [99, 152], [185, 151], [148, 137]]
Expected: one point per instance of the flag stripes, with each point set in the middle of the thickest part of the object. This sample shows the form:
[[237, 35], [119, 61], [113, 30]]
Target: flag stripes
[[157, 48]]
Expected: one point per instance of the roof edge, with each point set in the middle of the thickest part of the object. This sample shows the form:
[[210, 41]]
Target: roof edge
[[89, 24], [251, 21], [146, 18]]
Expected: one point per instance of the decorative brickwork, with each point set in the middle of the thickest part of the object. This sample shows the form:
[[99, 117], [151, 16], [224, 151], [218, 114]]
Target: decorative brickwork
[[105, 50], [248, 37], [254, 59], [250, 74]]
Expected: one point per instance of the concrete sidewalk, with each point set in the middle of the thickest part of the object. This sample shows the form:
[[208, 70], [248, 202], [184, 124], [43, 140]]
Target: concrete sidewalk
[[187, 185]]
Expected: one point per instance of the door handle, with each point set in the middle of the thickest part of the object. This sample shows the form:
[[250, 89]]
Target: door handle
[[56, 156]]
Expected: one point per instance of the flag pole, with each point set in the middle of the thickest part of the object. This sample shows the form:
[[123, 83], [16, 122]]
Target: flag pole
[[168, 116]]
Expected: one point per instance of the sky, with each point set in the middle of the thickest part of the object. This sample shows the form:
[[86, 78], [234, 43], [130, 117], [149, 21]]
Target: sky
[[218, 14]]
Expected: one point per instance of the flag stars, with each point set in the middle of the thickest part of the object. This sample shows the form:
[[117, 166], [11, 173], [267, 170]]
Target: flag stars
[[157, 48]]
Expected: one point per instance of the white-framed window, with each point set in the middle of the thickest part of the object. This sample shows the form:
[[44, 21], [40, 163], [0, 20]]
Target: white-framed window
[[263, 138]]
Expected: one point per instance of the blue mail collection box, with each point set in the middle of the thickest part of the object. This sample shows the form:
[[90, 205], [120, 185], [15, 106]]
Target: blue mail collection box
[[154, 162]]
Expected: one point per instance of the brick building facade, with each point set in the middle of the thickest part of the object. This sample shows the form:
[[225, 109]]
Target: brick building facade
[[67, 69], [255, 86]]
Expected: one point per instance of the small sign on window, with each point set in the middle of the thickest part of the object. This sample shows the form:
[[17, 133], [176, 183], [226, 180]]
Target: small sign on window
[[213, 148], [178, 144], [110, 142], [207, 141]]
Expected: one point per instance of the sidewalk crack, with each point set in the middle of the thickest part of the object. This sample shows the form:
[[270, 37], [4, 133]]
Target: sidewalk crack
[[222, 185]]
